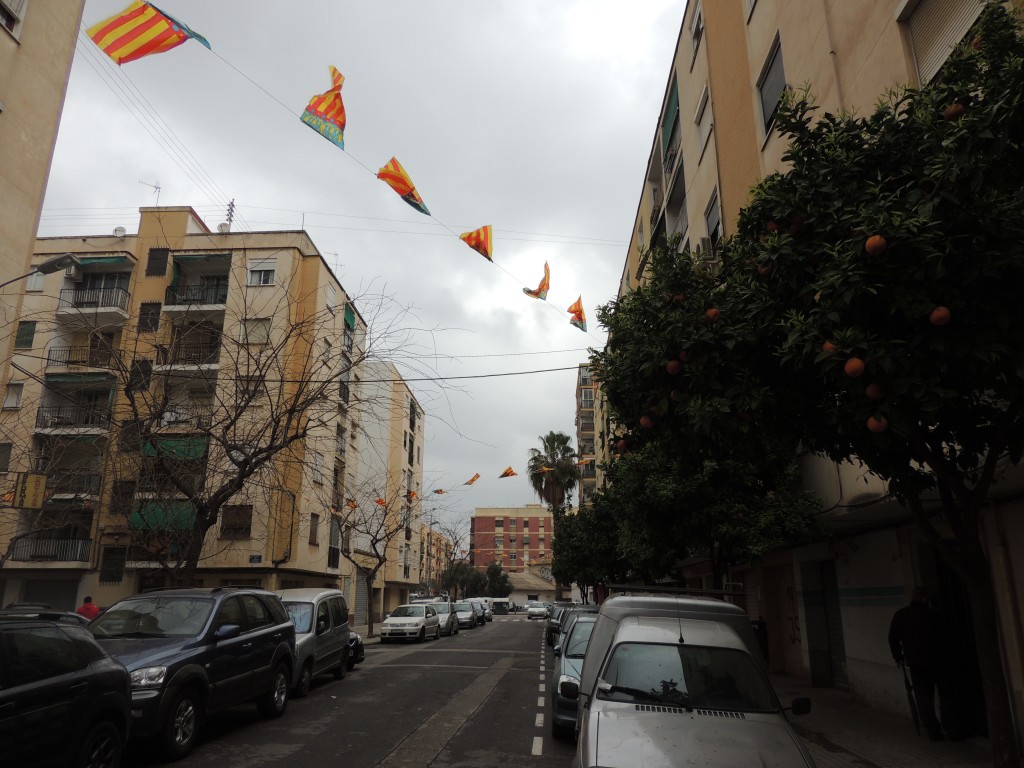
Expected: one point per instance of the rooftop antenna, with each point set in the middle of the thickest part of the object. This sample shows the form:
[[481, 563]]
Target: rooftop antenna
[[156, 188]]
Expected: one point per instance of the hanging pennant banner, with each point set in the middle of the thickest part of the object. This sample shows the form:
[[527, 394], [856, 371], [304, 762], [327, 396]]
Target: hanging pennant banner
[[579, 319], [473, 479], [394, 175], [479, 240], [140, 30], [509, 472], [325, 112], [542, 289]]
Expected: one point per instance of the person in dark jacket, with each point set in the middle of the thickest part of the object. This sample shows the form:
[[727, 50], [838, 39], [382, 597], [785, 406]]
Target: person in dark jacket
[[918, 638]]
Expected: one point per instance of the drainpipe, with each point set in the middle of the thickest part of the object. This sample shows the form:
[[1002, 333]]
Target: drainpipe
[[287, 554]]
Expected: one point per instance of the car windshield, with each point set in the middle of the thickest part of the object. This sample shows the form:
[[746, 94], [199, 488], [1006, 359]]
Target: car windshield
[[686, 676], [464, 607], [154, 617], [579, 637], [443, 609], [301, 615], [416, 611]]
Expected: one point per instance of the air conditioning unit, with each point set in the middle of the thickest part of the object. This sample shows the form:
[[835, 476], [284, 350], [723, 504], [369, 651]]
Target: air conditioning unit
[[74, 273]]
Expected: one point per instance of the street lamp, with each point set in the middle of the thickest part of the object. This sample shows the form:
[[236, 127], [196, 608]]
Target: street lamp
[[51, 265]]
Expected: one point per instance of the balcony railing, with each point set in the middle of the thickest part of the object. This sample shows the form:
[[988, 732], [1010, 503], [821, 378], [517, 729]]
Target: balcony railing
[[71, 416], [188, 354], [93, 298], [196, 294], [187, 415], [73, 481], [52, 550], [61, 357]]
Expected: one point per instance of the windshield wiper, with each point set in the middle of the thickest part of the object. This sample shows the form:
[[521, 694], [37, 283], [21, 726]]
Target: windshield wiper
[[677, 697]]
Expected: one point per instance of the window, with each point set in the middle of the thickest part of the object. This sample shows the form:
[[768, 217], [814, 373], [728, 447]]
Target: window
[[129, 439], [261, 272], [156, 266], [149, 316], [771, 84], [35, 281], [314, 529], [39, 653], [26, 334], [670, 133], [500, 523], [696, 31], [332, 297], [318, 467], [702, 119], [236, 521], [526, 525], [499, 541], [112, 564], [513, 556], [511, 539], [936, 27], [256, 330], [511, 523], [256, 613], [249, 388], [5, 457], [11, 14], [12, 398], [713, 219], [140, 375], [526, 541]]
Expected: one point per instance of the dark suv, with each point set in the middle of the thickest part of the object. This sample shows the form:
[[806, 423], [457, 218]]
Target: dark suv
[[191, 652], [63, 700]]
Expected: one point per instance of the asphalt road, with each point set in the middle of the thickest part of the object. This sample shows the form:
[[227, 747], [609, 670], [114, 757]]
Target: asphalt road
[[478, 699]]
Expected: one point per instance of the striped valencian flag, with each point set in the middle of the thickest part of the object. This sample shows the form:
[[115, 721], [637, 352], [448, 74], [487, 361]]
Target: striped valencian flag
[[394, 175], [579, 319], [139, 30], [325, 112], [542, 289], [479, 240], [509, 472], [473, 479]]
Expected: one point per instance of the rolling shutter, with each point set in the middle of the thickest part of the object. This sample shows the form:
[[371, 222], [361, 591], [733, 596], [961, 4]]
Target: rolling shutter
[[936, 28]]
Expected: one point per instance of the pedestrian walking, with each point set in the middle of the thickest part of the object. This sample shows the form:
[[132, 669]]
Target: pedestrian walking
[[88, 609], [920, 642]]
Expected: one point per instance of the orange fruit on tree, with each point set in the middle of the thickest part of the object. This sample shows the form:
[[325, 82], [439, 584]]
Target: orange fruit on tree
[[874, 391], [646, 422], [764, 270], [876, 245], [854, 367], [673, 367], [712, 315], [954, 111], [878, 423], [772, 226], [829, 348], [940, 316], [620, 445]]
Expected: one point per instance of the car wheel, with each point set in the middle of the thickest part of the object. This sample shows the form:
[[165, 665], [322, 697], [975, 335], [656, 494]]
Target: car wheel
[[274, 702], [350, 663], [101, 747], [305, 681], [437, 632], [182, 725], [422, 635]]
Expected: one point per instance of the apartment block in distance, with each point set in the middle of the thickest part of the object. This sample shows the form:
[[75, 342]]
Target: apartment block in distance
[[512, 536], [157, 378], [826, 607], [585, 446]]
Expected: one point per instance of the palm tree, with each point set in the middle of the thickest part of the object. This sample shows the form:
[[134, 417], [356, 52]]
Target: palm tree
[[553, 470]]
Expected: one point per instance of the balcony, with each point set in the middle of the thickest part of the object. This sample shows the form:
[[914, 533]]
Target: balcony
[[196, 299], [72, 483], [37, 549], [94, 307], [204, 354], [79, 357], [58, 419]]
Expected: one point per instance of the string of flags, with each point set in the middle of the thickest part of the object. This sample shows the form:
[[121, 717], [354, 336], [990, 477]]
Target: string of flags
[[142, 29]]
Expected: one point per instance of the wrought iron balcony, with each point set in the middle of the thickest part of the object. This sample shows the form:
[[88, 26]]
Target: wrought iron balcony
[[93, 298], [188, 354], [196, 294], [78, 482], [71, 416], [51, 550], [90, 357]]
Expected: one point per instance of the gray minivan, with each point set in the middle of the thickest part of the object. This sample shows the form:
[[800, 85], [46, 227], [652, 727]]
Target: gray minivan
[[321, 634]]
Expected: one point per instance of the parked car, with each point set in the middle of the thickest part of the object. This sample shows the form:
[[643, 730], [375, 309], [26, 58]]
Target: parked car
[[466, 614], [567, 615], [411, 622], [46, 614], [565, 682], [192, 652], [448, 617], [680, 689], [322, 631], [536, 610], [63, 700], [478, 609], [356, 650], [552, 628]]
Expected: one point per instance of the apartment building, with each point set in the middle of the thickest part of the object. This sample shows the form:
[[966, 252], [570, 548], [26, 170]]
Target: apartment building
[[436, 551], [826, 606], [37, 45], [585, 447], [177, 371], [389, 483], [516, 537]]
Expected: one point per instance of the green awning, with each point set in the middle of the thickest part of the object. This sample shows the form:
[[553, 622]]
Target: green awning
[[79, 378], [164, 515], [102, 259], [176, 447], [350, 316], [200, 256]]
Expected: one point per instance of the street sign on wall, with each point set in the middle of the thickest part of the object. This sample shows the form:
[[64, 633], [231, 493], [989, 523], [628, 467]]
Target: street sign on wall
[[29, 490]]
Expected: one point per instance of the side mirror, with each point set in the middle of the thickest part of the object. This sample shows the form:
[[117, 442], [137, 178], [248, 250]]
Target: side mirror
[[558, 651], [387, 615], [569, 689], [800, 706], [227, 631]]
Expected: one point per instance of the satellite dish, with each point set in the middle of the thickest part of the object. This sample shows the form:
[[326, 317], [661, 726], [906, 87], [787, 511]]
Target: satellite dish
[[120, 231], [224, 227]]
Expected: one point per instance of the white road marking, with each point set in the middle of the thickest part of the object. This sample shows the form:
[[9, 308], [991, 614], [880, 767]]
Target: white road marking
[[542, 675], [540, 702], [539, 722], [538, 746], [541, 687]]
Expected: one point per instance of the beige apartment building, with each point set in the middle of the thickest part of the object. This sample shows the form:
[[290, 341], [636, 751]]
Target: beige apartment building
[[826, 606], [585, 446], [37, 45], [175, 369]]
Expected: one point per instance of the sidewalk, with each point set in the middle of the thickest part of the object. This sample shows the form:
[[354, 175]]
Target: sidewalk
[[841, 732]]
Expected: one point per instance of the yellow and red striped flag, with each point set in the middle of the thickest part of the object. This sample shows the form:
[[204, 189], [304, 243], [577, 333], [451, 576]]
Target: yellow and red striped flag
[[380, 502], [509, 472], [578, 318], [479, 240], [542, 289], [325, 112], [473, 479], [139, 30], [394, 175], [440, 491]]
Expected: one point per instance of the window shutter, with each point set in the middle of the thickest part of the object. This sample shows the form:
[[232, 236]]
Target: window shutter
[[671, 114], [936, 28], [350, 316], [157, 263]]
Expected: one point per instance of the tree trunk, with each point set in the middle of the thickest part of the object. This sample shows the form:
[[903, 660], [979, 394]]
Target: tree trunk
[[369, 604], [187, 574]]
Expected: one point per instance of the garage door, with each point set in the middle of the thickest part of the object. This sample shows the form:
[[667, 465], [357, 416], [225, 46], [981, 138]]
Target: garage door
[[60, 594], [362, 598]]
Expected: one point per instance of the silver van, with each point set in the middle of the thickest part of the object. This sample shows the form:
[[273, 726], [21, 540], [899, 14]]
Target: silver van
[[321, 624]]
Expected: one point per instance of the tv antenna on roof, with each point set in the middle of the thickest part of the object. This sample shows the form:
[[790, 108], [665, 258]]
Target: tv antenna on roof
[[156, 188]]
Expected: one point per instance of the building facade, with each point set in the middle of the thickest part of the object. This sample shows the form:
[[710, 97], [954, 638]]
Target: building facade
[[515, 537], [177, 369], [826, 606], [585, 445]]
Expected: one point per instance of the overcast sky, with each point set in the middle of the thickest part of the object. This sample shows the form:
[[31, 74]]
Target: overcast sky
[[533, 116]]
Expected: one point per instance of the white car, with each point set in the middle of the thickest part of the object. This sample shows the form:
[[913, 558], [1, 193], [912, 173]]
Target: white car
[[535, 609], [411, 622]]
